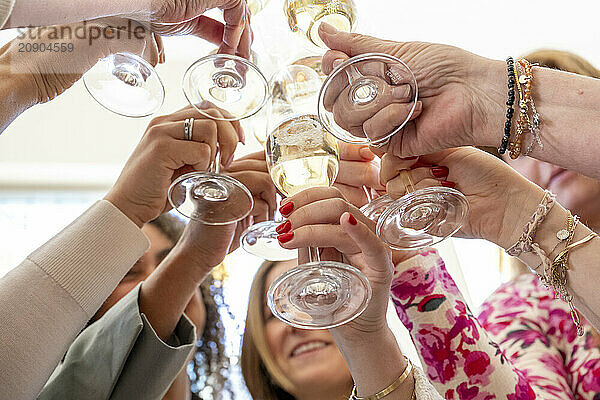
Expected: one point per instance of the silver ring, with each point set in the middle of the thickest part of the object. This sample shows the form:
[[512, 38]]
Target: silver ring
[[186, 129], [191, 129]]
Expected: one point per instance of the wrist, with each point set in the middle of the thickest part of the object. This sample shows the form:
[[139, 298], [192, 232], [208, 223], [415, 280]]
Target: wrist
[[17, 90], [126, 208], [490, 92]]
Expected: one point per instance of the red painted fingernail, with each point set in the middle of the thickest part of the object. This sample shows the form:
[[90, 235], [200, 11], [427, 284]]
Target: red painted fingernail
[[287, 208], [409, 158], [284, 227], [448, 184], [439, 172], [286, 237], [351, 219]]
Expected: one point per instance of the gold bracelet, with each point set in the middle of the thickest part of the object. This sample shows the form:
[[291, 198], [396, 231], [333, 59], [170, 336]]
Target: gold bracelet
[[394, 385], [558, 278]]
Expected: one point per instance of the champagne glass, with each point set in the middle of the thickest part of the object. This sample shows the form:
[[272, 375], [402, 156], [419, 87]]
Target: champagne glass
[[305, 16], [255, 6], [125, 84], [301, 155], [366, 100]]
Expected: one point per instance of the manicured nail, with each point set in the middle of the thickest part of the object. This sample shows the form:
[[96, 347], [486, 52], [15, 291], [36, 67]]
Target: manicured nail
[[286, 237], [337, 62], [366, 153], [329, 29], [284, 227], [439, 172], [351, 219], [287, 208], [448, 184]]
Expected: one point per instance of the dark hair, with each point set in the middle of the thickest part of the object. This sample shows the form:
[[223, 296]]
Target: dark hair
[[210, 367]]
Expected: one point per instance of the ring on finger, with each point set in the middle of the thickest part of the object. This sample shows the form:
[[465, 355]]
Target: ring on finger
[[407, 180], [186, 129]]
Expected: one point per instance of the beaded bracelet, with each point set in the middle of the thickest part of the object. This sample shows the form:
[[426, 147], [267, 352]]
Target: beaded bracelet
[[510, 71]]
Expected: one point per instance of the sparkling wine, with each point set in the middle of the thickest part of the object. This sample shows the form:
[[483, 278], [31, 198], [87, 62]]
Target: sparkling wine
[[301, 155], [305, 16]]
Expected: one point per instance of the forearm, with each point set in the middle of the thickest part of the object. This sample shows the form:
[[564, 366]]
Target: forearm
[[583, 273], [60, 12], [375, 361], [168, 290], [15, 93], [568, 109]]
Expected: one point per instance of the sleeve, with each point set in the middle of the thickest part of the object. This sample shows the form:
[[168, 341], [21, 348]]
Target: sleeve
[[48, 299], [531, 328], [121, 357], [6, 7], [460, 360]]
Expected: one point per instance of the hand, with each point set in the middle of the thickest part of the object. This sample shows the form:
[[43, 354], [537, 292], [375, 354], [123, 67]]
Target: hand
[[322, 218], [47, 74], [183, 18], [357, 172], [462, 94], [163, 155], [501, 201], [252, 171]]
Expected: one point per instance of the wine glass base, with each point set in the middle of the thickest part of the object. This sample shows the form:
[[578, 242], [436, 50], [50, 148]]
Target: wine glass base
[[422, 218], [126, 85], [319, 295], [261, 240], [376, 207], [210, 198]]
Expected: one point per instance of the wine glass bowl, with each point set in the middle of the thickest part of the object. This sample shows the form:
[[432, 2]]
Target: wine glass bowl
[[125, 84], [230, 83], [368, 98]]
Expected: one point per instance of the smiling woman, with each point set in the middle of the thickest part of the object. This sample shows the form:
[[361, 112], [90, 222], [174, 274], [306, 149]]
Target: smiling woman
[[281, 362]]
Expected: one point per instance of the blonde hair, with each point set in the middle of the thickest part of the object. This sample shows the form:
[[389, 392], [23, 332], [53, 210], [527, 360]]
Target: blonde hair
[[564, 61], [262, 375]]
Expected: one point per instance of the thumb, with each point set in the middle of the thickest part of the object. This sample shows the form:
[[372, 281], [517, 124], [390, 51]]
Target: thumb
[[352, 44]]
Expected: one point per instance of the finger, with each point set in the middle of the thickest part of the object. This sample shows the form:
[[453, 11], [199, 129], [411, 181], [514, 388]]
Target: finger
[[319, 236], [259, 184], [327, 64], [355, 195], [257, 155], [353, 152], [161, 48], [392, 165], [396, 187], [376, 254], [354, 44], [390, 117], [359, 174], [235, 22], [208, 29], [177, 154], [260, 211], [306, 197], [243, 49], [326, 211], [248, 164]]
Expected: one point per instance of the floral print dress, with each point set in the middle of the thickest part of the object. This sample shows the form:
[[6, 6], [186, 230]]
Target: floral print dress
[[465, 361]]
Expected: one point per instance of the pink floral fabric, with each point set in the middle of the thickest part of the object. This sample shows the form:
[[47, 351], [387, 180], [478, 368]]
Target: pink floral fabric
[[461, 360], [538, 337]]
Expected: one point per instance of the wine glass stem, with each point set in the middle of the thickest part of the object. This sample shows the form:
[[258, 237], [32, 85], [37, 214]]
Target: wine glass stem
[[353, 74], [277, 217], [313, 254], [217, 164], [367, 193]]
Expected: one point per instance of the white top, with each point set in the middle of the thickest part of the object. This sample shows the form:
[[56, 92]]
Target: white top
[[47, 300]]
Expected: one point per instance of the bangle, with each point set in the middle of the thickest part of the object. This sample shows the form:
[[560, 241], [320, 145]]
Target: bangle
[[558, 278], [393, 386], [564, 234], [510, 71]]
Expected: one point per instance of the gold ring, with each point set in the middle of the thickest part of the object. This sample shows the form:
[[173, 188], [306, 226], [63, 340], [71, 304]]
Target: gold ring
[[407, 180]]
